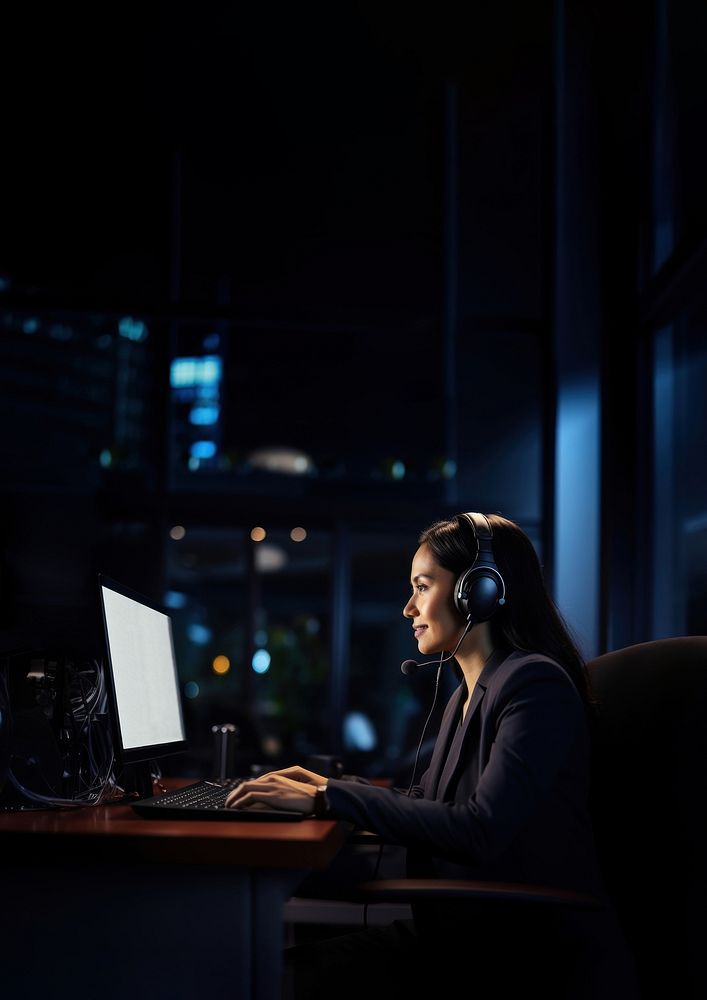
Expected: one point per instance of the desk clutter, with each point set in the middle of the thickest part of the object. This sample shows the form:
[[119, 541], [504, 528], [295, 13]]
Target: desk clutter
[[56, 748], [79, 732], [85, 732]]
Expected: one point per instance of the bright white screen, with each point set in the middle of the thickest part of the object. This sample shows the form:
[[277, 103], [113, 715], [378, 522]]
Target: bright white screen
[[144, 672]]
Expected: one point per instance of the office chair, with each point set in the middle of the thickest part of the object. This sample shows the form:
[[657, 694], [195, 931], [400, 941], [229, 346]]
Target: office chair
[[648, 807]]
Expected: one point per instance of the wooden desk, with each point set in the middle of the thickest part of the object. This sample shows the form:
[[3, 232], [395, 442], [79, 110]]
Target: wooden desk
[[99, 902]]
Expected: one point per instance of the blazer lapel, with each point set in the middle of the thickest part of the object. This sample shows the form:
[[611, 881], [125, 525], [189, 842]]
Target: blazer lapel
[[448, 768], [442, 742], [450, 765]]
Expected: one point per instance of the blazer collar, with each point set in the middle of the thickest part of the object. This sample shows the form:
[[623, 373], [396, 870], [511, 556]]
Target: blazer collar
[[444, 737], [497, 657], [451, 719]]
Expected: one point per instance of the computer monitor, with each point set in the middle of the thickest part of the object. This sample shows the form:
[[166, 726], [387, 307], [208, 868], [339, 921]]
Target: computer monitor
[[141, 675]]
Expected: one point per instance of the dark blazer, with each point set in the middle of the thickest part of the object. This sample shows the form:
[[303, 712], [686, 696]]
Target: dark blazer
[[508, 798]]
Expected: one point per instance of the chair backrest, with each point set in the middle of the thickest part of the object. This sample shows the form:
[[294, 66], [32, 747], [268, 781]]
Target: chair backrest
[[649, 805]]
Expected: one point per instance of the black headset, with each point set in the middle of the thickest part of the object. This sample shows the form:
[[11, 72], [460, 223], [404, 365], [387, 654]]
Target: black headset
[[480, 590]]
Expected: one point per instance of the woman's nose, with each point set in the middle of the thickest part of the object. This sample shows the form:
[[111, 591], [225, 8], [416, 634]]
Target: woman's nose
[[410, 611]]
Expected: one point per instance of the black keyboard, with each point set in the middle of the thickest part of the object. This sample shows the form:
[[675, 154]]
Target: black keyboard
[[207, 800]]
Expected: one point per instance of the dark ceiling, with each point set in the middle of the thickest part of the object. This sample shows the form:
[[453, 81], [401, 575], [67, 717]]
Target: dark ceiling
[[306, 145], [285, 167]]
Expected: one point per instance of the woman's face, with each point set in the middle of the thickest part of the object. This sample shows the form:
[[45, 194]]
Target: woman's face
[[436, 622]]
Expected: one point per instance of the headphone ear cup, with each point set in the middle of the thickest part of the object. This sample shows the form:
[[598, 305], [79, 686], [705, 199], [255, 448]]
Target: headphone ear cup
[[477, 593]]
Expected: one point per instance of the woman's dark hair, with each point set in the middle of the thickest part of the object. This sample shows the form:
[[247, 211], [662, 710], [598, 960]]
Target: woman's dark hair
[[529, 620]]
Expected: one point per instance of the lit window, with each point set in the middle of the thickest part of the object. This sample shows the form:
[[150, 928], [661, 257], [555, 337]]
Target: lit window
[[191, 372], [204, 416], [203, 449]]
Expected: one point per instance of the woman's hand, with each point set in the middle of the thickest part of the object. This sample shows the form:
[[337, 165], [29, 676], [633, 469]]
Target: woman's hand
[[301, 774], [291, 788]]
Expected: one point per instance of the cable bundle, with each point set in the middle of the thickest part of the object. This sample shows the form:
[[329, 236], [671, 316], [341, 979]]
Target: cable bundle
[[78, 705]]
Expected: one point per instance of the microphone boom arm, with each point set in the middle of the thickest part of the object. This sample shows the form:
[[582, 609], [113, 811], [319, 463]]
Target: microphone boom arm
[[409, 667]]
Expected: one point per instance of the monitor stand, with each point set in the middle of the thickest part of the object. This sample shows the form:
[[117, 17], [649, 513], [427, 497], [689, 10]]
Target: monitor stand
[[136, 780]]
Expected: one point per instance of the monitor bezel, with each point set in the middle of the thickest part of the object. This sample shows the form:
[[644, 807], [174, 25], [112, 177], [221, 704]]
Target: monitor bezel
[[134, 755]]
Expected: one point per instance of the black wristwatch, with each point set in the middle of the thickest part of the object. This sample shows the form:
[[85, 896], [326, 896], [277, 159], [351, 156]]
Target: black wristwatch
[[321, 803]]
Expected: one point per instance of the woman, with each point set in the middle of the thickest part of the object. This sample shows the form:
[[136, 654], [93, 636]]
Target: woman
[[505, 794]]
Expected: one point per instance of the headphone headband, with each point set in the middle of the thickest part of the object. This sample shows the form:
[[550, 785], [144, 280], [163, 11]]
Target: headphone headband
[[483, 533], [480, 523], [480, 589]]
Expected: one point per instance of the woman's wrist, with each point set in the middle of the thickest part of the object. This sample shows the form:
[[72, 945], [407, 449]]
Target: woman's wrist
[[321, 802]]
